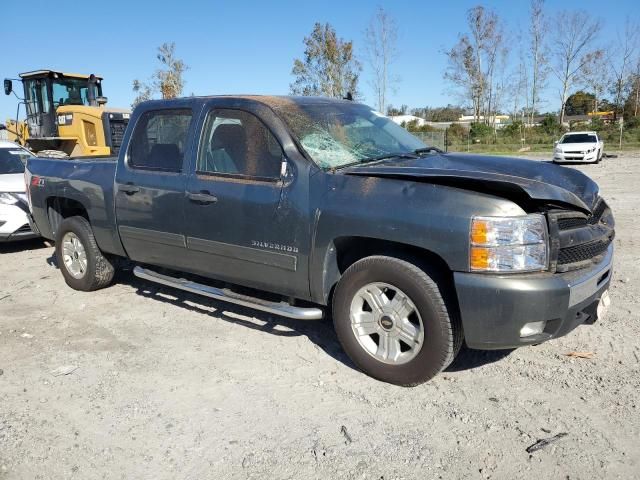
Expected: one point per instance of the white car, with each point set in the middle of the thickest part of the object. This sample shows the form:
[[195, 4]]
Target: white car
[[585, 147], [14, 220]]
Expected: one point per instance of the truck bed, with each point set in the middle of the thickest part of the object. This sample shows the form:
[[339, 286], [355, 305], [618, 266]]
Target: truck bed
[[86, 180]]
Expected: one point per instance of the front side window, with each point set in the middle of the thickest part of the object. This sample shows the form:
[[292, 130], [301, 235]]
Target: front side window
[[73, 91], [237, 143], [159, 140], [31, 97]]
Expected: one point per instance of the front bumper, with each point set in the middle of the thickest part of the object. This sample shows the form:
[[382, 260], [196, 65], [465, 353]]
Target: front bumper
[[494, 308], [575, 157], [15, 224]]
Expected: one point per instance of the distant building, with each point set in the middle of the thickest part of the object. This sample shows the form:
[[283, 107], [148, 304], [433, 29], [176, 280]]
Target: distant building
[[499, 120], [404, 119]]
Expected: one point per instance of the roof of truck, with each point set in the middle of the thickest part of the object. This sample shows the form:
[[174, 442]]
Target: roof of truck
[[281, 100]]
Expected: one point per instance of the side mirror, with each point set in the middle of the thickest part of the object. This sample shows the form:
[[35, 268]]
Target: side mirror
[[555, 143], [101, 100], [8, 86]]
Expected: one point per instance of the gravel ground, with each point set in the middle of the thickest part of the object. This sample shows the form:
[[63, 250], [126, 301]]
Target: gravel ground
[[174, 386]]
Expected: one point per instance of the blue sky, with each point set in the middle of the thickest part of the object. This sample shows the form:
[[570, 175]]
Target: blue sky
[[249, 46]]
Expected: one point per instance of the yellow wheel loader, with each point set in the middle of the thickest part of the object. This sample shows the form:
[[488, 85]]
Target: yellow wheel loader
[[66, 116]]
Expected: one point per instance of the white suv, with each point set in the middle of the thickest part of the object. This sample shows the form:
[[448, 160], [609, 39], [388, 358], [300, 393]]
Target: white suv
[[14, 220], [579, 147]]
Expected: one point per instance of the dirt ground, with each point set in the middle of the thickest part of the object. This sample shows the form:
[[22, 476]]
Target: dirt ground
[[172, 386]]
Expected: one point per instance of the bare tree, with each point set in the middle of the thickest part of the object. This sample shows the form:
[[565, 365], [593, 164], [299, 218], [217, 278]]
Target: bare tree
[[538, 28], [621, 60], [381, 36], [594, 74], [143, 92], [570, 46], [472, 62], [168, 80], [329, 66], [519, 91], [462, 72]]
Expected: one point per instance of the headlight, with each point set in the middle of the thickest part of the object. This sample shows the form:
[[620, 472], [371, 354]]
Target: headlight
[[558, 150], [508, 244], [8, 199]]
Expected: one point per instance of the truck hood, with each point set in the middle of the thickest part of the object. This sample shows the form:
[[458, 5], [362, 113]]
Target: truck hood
[[12, 182], [511, 177]]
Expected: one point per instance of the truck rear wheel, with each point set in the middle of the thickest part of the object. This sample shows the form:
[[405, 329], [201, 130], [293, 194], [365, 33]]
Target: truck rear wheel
[[392, 321], [81, 262]]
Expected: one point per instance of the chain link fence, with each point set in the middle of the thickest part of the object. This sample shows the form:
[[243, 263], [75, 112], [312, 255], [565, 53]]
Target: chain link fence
[[433, 139]]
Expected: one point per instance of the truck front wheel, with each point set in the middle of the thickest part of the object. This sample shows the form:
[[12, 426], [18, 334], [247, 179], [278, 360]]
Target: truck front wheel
[[81, 262], [392, 321]]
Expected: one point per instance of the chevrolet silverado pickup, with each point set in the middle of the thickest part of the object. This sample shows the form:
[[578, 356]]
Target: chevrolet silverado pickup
[[301, 206]]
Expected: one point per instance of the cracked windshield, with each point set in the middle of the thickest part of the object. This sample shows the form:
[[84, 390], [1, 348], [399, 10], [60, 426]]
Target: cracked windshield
[[335, 135]]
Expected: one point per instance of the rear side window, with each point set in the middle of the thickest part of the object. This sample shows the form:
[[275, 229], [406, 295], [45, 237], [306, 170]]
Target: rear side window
[[237, 143], [159, 140]]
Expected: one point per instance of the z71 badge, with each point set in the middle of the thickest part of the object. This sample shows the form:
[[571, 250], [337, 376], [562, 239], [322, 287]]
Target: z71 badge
[[274, 246]]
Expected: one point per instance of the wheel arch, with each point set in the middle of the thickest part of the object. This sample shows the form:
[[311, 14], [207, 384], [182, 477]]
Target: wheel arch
[[60, 208], [344, 251]]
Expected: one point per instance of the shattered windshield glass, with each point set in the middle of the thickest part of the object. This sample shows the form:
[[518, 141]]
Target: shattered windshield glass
[[335, 134]]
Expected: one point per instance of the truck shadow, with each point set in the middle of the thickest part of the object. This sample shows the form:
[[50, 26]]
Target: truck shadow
[[469, 359], [320, 332], [22, 245]]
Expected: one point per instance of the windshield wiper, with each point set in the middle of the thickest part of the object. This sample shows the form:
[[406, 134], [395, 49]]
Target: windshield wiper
[[428, 150], [379, 158]]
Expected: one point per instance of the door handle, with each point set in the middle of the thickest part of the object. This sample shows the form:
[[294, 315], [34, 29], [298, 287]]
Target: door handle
[[202, 197], [129, 188]]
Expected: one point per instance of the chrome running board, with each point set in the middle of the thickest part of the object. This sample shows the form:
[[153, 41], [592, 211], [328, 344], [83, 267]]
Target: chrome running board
[[282, 308]]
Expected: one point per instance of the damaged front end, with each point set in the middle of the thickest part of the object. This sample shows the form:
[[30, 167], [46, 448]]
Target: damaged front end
[[508, 309], [579, 240]]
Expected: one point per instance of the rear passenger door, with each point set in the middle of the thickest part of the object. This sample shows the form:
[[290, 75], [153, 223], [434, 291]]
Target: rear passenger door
[[150, 187], [236, 226]]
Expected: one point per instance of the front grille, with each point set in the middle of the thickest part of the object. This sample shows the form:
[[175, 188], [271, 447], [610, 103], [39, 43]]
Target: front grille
[[579, 240], [584, 252], [596, 216], [117, 134], [571, 222]]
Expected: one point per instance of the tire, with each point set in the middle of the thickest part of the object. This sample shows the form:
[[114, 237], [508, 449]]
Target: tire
[[441, 333], [599, 156], [53, 154], [97, 271]]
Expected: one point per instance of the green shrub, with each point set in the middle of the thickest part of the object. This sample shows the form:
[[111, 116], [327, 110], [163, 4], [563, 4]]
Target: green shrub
[[480, 131]]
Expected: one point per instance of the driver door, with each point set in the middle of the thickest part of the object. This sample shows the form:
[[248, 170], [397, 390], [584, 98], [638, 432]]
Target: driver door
[[236, 227]]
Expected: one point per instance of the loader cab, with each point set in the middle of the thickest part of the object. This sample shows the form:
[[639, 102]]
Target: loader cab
[[46, 90]]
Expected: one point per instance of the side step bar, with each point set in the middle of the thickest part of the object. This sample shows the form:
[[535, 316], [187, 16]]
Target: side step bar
[[282, 308]]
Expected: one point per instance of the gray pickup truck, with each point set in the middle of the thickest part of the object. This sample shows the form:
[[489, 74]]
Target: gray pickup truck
[[292, 204]]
